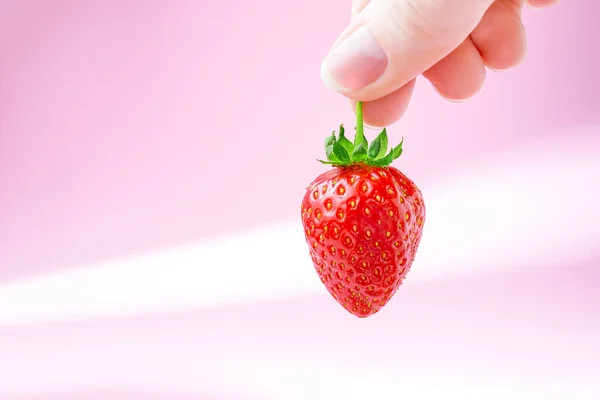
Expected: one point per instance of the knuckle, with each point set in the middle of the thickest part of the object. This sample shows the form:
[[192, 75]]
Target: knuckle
[[437, 26]]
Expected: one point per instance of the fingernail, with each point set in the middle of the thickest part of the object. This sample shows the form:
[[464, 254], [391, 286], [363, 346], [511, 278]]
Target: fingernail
[[355, 63]]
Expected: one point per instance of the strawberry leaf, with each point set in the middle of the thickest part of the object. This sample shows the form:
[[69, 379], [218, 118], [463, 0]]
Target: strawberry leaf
[[383, 138], [346, 144], [378, 146], [374, 148], [398, 149], [360, 153], [384, 161], [329, 142], [330, 162], [340, 153], [330, 139]]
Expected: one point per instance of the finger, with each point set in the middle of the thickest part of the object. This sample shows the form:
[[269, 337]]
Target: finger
[[390, 42], [500, 36], [460, 74], [388, 109]]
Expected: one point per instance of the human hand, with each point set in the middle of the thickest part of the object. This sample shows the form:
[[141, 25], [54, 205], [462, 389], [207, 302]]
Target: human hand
[[450, 42]]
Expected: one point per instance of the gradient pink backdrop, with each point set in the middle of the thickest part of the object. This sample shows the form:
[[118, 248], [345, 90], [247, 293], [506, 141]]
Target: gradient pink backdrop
[[129, 126]]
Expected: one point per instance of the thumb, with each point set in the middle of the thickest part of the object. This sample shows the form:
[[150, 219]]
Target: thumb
[[390, 42]]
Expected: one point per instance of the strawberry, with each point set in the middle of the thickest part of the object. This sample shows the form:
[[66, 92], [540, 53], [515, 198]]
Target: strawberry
[[362, 221]]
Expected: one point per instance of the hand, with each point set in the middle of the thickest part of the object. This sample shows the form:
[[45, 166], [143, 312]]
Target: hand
[[451, 42]]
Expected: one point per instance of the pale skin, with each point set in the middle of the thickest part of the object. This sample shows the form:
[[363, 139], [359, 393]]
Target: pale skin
[[450, 43]]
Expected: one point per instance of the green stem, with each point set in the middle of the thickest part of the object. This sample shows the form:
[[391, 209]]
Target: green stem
[[360, 133]]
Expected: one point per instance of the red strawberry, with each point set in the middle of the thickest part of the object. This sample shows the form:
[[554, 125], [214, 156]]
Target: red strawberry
[[363, 221]]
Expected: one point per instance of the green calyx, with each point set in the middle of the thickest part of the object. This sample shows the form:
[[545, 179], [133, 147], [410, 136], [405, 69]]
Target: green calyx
[[342, 152]]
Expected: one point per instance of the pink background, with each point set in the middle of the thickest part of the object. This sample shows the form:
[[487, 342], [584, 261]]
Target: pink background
[[129, 129]]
